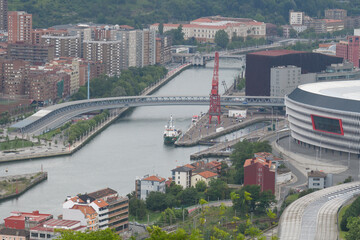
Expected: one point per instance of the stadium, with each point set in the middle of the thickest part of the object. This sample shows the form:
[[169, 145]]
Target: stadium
[[326, 115]]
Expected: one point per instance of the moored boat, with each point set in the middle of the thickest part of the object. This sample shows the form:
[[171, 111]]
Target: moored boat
[[171, 134]]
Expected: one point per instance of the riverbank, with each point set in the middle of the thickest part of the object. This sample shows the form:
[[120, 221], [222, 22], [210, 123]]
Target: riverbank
[[15, 185], [56, 150]]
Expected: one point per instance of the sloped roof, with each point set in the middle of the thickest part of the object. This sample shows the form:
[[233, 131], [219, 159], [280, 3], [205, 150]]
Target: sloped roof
[[208, 174], [154, 178]]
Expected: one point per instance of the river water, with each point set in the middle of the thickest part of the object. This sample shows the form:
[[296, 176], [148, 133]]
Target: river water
[[130, 147]]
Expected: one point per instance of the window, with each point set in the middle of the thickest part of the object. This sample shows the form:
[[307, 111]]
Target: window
[[328, 125]]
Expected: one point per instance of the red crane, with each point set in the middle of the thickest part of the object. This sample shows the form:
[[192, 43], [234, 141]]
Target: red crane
[[215, 109]]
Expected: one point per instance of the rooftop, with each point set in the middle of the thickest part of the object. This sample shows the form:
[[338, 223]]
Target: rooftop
[[342, 89], [84, 209], [207, 174], [101, 203], [260, 160], [275, 53], [52, 224], [35, 216], [318, 174], [102, 193], [154, 178], [182, 169]]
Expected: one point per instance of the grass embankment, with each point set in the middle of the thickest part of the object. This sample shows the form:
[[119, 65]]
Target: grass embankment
[[341, 214], [153, 217], [16, 144], [291, 198]]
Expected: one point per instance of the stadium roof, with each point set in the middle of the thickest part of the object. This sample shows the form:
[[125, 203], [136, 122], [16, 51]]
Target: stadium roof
[[341, 95], [339, 89]]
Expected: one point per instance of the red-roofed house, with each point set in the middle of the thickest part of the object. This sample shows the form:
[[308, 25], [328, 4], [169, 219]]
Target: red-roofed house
[[259, 171], [111, 209], [148, 184], [24, 220], [205, 176], [46, 229]]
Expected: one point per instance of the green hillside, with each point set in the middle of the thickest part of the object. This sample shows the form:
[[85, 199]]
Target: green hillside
[[138, 12]]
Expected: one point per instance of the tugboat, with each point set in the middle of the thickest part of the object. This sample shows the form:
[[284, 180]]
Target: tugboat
[[170, 133]]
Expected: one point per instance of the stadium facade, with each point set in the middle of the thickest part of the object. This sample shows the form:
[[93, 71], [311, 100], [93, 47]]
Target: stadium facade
[[326, 115]]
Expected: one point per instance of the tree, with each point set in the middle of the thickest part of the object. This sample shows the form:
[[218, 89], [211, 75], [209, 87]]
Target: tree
[[200, 186], [352, 211], [156, 201], [177, 35], [221, 38], [252, 199], [137, 208], [217, 190], [174, 189], [354, 229], [189, 196], [156, 233], [293, 33], [106, 234]]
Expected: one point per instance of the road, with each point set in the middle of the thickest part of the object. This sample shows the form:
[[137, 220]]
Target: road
[[314, 216]]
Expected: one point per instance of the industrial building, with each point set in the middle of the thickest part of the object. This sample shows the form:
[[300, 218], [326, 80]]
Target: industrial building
[[259, 64]]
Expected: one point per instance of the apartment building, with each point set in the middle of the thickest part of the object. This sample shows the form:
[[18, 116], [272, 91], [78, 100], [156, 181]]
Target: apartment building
[[107, 52], [14, 75], [336, 14], [163, 49], [3, 15], [189, 174], [260, 171], [47, 86], [34, 53], [63, 46], [19, 27], [112, 210], [147, 184], [36, 34], [149, 47], [296, 18]]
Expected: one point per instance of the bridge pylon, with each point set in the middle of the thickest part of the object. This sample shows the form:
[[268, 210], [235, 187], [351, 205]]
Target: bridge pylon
[[215, 108]]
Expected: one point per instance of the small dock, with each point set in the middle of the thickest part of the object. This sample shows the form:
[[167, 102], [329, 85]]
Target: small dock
[[203, 133]]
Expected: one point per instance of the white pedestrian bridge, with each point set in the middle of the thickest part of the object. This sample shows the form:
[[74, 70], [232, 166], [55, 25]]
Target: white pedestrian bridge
[[54, 116]]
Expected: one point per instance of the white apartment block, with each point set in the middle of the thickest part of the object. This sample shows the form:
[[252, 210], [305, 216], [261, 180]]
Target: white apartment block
[[148, 184], [296, 18], [182, 176]]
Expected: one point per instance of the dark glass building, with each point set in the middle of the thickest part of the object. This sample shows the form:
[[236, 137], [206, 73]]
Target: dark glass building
[[259, 64]]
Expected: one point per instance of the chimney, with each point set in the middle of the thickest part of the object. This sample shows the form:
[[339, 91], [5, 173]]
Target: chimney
[[88, 201]]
